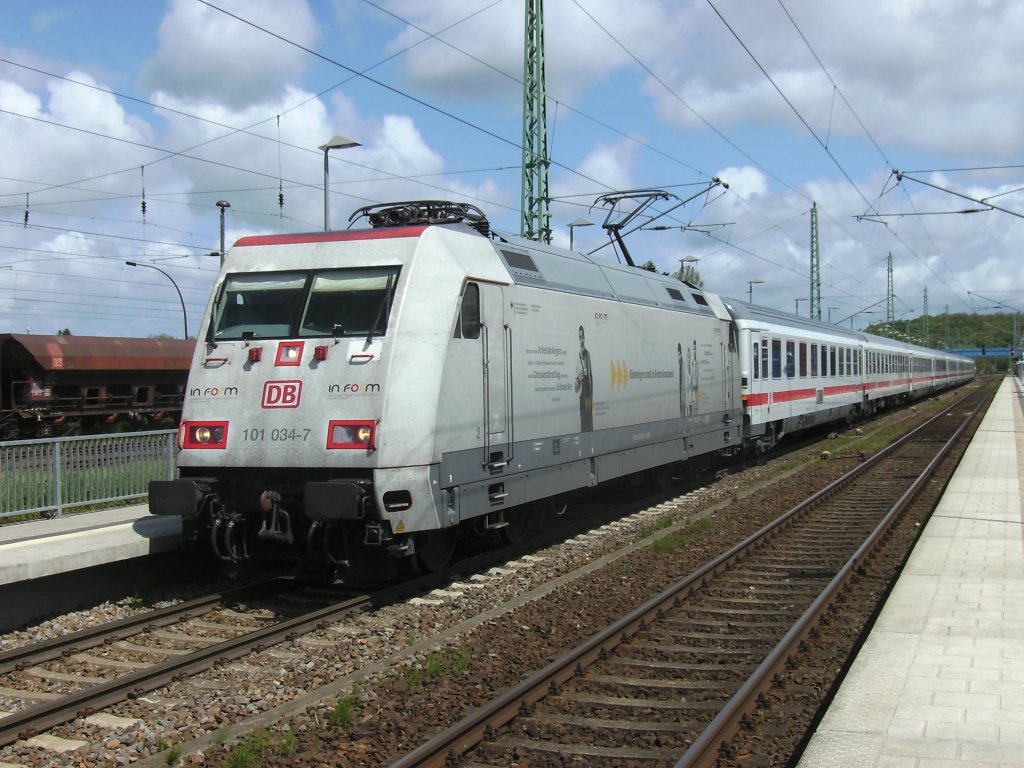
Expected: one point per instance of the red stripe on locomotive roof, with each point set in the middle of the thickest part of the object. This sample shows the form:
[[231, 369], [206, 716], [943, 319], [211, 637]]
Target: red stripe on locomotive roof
[[347, 235]]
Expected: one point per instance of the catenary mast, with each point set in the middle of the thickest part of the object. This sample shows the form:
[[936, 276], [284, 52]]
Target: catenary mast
[[536, 197]]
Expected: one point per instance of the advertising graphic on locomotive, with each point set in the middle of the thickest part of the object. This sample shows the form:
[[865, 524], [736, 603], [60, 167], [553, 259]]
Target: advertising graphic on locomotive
[[364, 397]]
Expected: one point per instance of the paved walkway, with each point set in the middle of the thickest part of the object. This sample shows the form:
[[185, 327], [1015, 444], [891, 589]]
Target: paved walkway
[[940, 681]]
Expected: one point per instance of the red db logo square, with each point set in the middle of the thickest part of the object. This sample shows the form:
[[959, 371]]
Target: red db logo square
[[282, 394]]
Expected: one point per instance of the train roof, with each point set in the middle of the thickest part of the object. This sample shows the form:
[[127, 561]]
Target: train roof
[[743, 310], [548, 266], [98, 353]]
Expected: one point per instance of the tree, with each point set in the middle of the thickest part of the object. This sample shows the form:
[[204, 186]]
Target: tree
[[64, 332], [689, 274]]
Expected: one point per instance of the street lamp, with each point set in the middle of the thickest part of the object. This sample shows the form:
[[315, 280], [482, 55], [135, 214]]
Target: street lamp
[[337, 142], [222, 204], [580, 222], [750, 288], [796, 302], [184, 314]]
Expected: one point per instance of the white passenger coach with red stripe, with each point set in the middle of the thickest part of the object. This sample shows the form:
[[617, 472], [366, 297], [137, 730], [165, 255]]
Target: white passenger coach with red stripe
[[371, 396], [797, 372]]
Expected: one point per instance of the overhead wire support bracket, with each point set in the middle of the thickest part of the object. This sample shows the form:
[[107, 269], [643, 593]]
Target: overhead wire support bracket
[[900, 176]]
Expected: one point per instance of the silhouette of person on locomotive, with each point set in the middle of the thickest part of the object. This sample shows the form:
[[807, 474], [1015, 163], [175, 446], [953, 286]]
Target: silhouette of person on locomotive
[[585, 386]]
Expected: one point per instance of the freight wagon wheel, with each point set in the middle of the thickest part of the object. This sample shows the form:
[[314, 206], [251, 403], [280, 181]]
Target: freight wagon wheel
[[434, 550]]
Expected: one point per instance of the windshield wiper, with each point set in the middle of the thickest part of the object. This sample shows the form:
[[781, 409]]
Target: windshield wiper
[[385, 302]]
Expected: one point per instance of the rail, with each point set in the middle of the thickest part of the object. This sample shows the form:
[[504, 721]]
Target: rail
[[53, 475]]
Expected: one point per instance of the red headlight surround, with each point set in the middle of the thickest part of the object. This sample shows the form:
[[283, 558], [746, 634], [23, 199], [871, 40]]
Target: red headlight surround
[[204, 435], [289, 353], [352, 434]]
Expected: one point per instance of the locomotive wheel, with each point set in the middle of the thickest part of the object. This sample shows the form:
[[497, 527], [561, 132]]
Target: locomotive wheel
[[520, 523], [434, 550]]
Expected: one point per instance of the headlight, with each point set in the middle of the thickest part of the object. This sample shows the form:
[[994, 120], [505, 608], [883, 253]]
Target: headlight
[[352, 434], [205, 434]]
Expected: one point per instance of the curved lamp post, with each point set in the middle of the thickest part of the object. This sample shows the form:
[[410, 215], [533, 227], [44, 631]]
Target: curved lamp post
[[580, 222], [337, 142], [184, 314], [750, 288], [222, 204]]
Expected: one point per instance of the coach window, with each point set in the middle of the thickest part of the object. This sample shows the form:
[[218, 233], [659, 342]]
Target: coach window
[[856, 361], [469, 314], [849, 362], [832, 361], [776, 358], [764, 358], [790, 361], [803, 359], [753, 361], [841, 370], [814, 359]]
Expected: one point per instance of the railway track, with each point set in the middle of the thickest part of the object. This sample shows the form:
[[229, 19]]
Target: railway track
[[131, 657], [673, 681]]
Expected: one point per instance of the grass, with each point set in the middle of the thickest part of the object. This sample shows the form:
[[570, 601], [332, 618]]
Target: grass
[[449, 661], [289, 741], [681, 538], [342, 713], [250, 751], [126, 467]]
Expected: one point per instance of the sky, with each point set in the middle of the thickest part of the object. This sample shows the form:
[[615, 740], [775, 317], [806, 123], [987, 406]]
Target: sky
[[123, 123]]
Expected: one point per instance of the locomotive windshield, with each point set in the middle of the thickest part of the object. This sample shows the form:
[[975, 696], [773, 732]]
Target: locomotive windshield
[[335, 302]]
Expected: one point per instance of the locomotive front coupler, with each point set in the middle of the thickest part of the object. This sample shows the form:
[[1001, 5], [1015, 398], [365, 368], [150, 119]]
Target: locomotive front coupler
[[277, 524]]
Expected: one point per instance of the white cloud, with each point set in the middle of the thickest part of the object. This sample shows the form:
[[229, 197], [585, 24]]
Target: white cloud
[[208, 55], [744, 182]]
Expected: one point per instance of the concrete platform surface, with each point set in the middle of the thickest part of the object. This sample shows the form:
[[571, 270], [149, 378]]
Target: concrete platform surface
[[39, 548], [940, 680]]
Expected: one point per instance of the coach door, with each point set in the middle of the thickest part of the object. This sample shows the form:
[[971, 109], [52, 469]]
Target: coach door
[[497, 393], [758, 370]]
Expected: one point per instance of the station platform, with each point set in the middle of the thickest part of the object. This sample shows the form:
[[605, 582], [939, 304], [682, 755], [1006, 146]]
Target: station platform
[[39, 548], [42, 560], [940, 680]]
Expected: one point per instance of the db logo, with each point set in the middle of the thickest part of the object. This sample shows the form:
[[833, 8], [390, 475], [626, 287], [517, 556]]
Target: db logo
[[282, 394]]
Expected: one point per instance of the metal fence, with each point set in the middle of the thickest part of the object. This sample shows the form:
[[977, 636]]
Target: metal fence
[[57, 474]]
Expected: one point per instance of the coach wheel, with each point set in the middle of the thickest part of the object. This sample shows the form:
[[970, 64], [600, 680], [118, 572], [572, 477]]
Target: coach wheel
[[434, 550]]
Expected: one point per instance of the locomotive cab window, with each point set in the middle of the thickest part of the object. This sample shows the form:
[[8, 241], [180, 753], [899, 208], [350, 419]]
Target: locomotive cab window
[[335, 302], [263, 305], [350, 302], [468, 326]]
